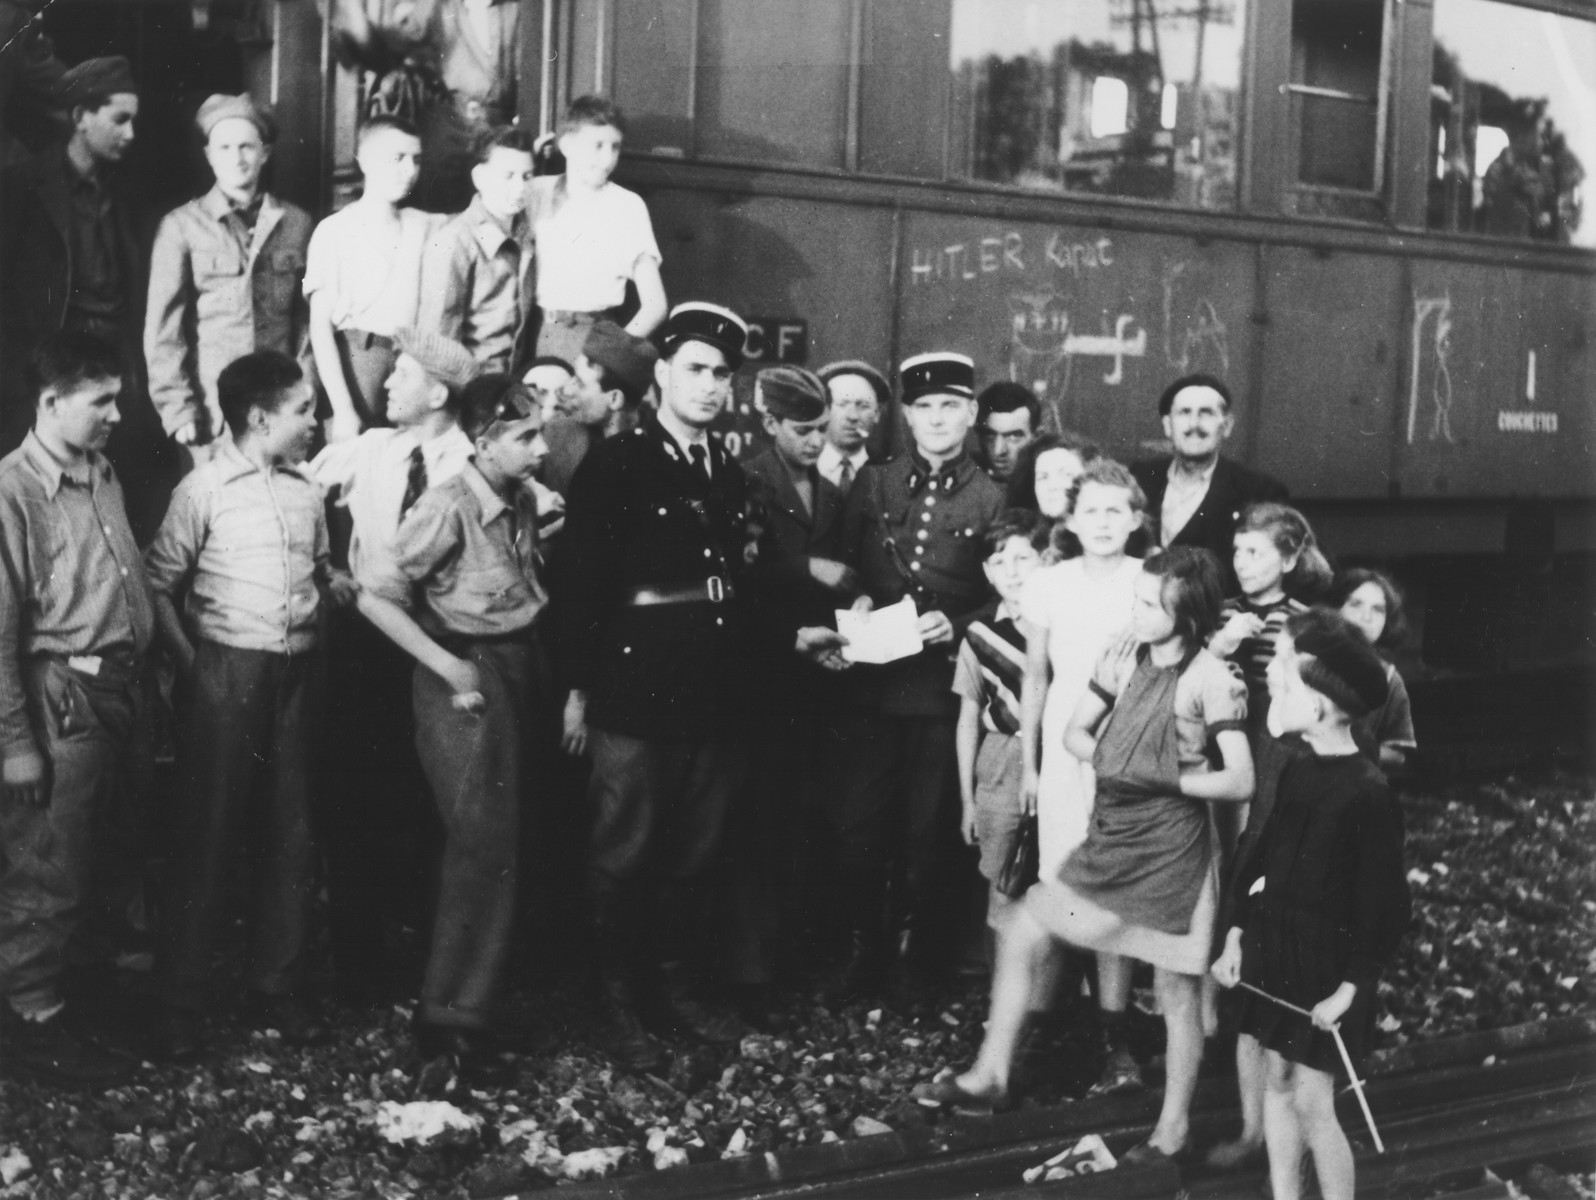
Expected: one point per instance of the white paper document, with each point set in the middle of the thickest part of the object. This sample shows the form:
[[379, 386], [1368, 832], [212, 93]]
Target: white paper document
[[882, 635]]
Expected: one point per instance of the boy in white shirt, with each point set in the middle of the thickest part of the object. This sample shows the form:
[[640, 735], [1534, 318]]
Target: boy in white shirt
[[363, 278], [593, 236]]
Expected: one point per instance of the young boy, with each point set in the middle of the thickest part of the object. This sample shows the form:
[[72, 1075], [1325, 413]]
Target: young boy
[[612, 374], [988, 678], [593, 236], [468, 551], [75, 622], [374, 809], [225, 274], [476, 272], [545, 377], [363, 277], [245, 540]]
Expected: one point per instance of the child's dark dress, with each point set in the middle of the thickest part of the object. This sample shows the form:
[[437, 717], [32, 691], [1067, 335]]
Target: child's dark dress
[[1321, 900]]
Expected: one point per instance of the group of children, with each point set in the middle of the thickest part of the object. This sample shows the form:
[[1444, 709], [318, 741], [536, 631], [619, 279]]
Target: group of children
[[1205, 776]]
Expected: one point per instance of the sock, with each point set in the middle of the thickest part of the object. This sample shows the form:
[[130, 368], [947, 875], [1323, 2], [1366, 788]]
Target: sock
[[40, 1015]]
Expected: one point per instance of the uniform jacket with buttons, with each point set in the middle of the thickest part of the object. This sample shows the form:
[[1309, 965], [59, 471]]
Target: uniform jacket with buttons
[[913, 531], [640, 515], [212, 300]]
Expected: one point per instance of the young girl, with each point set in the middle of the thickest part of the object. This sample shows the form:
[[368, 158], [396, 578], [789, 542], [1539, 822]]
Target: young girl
[[1144, 883], [1322, 900], [1372, 602], [1279, 567]]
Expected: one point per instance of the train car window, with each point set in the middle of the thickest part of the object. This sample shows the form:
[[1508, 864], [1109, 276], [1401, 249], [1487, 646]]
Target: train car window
[[1339, 85], [654, 77], [1117, 97], [1512, 122]]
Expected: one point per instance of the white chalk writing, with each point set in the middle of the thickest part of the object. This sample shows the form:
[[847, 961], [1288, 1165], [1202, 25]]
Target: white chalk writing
[[1004, 254], [1438, 311]]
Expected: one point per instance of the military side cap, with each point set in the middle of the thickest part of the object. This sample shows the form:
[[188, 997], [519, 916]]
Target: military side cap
[[790, 394], [445, 359], [630, 358], [697, 321], [220, 107], [1342, 664], [489, 399], [95, 77], [853, 366], [938, 374]]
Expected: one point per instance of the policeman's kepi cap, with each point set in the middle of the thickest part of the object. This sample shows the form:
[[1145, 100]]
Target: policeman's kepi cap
[[489, 399], [938, 374], [221, 107], [854, 366], [630, 358], [445, 359], [96, 78], [790, 394], [698, 321]]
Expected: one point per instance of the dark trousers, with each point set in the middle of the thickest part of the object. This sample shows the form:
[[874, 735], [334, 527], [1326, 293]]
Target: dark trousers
[[374, 816], [57, 858], [894, 799], [245, 749], [475, 765], [658, 811], [367, 362]]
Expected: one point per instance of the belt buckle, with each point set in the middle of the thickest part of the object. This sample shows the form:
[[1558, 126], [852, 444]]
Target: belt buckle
[[717, 589]]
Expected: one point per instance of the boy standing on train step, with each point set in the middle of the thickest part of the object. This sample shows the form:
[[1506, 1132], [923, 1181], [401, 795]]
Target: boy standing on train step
[[593, 236], [75, 623], [469, 554], [609, 379], [244, 543], [912, 528], [225, 275], [476, 272], [363, 277], [374, 809]]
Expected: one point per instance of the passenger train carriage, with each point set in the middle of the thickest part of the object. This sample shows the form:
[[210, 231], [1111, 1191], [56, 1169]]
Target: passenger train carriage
[[1373, 217]]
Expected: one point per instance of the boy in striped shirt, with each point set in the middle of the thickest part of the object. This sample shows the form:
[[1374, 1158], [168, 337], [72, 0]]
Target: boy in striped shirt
[[987, 678]]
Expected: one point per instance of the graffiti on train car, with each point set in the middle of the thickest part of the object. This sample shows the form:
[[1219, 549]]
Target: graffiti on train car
[[1431, 357]]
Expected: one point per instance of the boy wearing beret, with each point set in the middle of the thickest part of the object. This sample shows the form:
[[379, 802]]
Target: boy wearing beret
[[912, 528], [468, 554], [609, 379], [374, 809], [225, 274]]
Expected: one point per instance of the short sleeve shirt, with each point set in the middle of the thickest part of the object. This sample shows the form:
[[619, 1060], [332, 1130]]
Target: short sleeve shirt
[[369, 270], [588, 248], [1208, 701]]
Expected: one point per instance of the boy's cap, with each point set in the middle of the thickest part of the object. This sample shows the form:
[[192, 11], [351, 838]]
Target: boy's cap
[[489, 399], [854, 366], [790, 394], [220, 107], [1343, 666], [445, 359], [97, 77], [698, 321], [937, 374], [632, 358]]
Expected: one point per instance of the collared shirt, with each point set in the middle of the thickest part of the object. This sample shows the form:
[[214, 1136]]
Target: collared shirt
[[97, 285], [1182, 498], [588, 246], [990, 668], [473, 557], [686, 446], [831, 460], [368, 269], [475, 285], [371, 473], [71, 580], [250, 545]]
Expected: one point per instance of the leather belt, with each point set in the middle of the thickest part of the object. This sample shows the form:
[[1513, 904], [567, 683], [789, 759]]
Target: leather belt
[[713, 590]]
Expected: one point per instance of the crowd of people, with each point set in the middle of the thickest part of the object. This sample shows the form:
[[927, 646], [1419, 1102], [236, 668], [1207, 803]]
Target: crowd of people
[[399, 511]]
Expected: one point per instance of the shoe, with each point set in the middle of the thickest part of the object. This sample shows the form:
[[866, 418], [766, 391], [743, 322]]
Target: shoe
[[293, 1020], [1237, 1155], [948, 1094], [862, 974], [756, 1007], [622, 1038], [672, 1011], [176, 1035], [52, 1052], [454, 1041], [1145, 1154], [1120, 1074]]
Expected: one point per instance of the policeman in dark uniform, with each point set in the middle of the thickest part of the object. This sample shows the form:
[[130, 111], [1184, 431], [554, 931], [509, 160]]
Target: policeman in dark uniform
[[911, 527], [658, 631]]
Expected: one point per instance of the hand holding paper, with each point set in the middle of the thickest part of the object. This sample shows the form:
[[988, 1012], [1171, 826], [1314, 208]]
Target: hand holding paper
[[881, 636]]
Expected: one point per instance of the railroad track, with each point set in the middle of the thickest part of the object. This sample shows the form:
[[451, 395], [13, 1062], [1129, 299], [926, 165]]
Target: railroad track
[[1458, 1118]]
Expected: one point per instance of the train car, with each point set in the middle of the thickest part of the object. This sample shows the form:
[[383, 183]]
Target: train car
[[1370, 216]]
